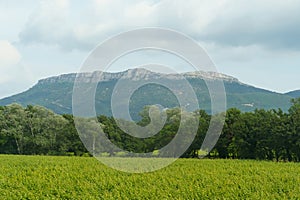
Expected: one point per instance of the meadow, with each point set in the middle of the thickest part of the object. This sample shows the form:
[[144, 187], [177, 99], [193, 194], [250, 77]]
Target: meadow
[[46, 177]]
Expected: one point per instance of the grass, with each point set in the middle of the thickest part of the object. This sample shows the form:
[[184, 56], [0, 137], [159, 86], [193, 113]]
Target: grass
[[42, 177]]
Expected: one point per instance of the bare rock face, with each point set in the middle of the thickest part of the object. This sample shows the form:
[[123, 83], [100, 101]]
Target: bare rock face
[[135, 75], [210, 76]]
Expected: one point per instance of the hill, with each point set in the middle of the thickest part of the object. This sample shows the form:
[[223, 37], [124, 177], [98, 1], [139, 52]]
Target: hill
[[55, 93], [294, 94]]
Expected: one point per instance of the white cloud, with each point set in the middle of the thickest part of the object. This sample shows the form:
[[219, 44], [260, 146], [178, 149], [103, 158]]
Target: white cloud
[[15, 79], [71, 25], [9, 55], [269, 23], [48, 24], [52, 23], [15, 75]]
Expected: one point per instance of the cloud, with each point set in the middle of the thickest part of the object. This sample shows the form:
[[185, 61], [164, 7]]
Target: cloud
[[9, 55], [74, 25], [14, 74], [9, 58], [15, 79], [56, 23], [48, 24], [273, 24]]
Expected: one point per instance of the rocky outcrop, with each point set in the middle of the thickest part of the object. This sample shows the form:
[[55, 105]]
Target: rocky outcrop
[[136, 74]]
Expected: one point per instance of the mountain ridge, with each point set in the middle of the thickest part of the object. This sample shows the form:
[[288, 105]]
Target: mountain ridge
[[55, 92], [294, 93], [135, 74]]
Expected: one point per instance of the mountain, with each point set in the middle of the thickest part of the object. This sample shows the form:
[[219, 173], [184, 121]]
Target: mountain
[[55, 93], [294, 94]]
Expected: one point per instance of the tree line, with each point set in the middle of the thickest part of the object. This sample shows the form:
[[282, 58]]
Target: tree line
[[261, 134]]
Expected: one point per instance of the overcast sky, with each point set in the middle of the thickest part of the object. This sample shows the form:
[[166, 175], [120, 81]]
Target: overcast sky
[[255, 41]]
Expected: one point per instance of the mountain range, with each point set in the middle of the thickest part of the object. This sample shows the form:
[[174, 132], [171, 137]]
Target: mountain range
[[55, 93]]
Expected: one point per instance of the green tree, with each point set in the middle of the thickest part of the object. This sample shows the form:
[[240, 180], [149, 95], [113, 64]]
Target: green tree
[[13, 124], [293, 137], [225, 146]]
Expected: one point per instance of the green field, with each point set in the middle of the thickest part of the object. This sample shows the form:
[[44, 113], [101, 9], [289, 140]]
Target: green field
[[41, 177]]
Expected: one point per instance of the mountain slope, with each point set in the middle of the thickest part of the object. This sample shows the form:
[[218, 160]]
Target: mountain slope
[[294, 94], [55, 93]]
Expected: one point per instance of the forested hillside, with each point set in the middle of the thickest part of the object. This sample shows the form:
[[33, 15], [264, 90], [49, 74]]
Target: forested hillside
[[295, 94], [55, 93]]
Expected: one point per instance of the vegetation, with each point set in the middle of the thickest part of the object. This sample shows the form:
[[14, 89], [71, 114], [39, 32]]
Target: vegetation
[[37, 130], [56, 95], [262, 134], [39, 177]]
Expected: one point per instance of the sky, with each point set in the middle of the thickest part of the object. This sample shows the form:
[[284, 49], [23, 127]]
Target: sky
[[255, 41]]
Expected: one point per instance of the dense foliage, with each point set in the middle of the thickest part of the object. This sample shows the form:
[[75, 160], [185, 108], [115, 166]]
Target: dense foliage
[[37, 130], [39, 177], [261, 134]]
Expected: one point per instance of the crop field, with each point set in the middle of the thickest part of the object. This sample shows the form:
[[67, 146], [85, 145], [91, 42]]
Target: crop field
[[44, 177]]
